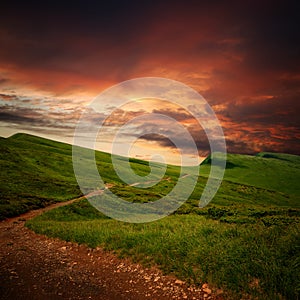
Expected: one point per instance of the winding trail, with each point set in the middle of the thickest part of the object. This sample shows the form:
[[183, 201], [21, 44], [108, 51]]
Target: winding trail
[[34, 266]]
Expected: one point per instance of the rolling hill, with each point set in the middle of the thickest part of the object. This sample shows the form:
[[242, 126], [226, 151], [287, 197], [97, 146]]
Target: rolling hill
[[273, 171], [36, 172], [246, 241]]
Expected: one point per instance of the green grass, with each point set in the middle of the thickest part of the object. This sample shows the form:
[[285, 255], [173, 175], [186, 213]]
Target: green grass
[[272, 171], [196, 248], [36, 172], [245, 241]]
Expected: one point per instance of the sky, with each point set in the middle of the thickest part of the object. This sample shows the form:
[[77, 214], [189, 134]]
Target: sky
[[243, 57]]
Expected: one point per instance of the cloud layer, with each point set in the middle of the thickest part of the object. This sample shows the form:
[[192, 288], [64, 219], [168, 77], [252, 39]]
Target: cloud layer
[[242, 57]]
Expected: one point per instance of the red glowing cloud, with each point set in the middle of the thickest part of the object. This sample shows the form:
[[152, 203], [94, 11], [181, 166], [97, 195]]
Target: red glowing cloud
[[243, 58]]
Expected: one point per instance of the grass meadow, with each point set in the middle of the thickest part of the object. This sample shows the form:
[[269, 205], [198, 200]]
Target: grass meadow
[[246, 241]]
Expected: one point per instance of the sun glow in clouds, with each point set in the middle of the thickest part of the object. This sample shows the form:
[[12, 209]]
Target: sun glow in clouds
[[148, 143], [135, 125]]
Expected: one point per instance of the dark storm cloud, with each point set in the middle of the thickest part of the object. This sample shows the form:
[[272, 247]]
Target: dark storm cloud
[[274, 41], [8, 117], [7, 97], [54, 36], [162, 140], [22, 115], [172, 140], [277, 110], [180, 114], [45, 34], [263, 141], [239, 146], [166, 135]]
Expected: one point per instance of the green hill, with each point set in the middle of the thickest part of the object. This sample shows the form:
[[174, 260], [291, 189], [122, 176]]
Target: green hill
[[36, 172], [246, 241], [271, 171]]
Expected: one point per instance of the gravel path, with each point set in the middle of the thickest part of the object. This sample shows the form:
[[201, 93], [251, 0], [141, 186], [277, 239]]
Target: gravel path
[[34, 266]]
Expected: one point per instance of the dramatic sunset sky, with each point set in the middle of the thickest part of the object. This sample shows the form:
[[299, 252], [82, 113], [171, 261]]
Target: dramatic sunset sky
[[243, 57]]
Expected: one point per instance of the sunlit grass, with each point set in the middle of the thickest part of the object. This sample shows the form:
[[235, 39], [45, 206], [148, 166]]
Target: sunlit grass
[[192, 247], [245, 241]]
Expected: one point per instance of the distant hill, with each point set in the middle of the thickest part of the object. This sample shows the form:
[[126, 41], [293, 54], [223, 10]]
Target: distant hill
[[273, 171]]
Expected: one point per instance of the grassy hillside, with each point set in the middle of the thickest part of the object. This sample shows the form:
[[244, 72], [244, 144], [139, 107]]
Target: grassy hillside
[[246, 241], [36, 172], [271, 171]]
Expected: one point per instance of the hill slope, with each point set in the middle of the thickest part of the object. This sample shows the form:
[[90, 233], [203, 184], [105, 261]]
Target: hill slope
[[36, 172], [246, 241], [272, 171]]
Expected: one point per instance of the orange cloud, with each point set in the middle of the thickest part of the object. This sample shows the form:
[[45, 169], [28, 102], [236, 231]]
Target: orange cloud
[[242, 58]]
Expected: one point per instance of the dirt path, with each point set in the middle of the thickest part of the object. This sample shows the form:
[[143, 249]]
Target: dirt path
[[33, 266]]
